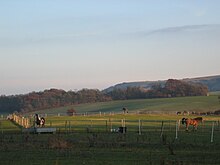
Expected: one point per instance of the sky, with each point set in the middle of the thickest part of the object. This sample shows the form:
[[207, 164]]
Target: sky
[[70, 45]]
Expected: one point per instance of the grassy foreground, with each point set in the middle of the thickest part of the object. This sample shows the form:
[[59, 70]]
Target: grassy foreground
[[151, 138], [92, 143]]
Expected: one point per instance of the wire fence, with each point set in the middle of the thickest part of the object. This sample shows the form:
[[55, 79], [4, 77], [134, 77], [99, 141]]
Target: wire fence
[[86, 139], [173, 128]]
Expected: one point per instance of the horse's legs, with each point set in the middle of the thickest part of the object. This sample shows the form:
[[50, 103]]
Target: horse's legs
[[187, 126], [196, 126]]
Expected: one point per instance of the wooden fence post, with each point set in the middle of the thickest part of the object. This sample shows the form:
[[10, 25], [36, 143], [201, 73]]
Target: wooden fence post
[[212, 133], [178, 125], [106, 125], [66, 126], [176, 130], [1, 127], [139, 128], [218, 125], [91, 123], [69, 126], [110, 121], [161, 130]]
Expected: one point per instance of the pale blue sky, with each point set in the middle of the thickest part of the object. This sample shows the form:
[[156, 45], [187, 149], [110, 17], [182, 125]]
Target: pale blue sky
[[71, 44]]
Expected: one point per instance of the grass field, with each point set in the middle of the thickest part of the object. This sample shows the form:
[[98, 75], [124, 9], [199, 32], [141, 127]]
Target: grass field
[[88, 140], [152, 138], [163, 105], [216, 93]]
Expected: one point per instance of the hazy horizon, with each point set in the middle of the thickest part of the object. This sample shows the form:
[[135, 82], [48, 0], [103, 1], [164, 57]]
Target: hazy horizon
[[95, 44]]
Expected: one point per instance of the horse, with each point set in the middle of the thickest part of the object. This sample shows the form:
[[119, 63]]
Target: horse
[[194, 122], [178, 113], [40, 121], [125, 110]]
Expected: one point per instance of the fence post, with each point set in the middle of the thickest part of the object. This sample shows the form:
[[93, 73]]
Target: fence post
[[178, 125], [106, 125], [1, 127], [22, 121], [212, 134], [91, 124], [161, 131], [69, 126], [66, 126], [124, 126], [110, 121], [218, 125], [176, 130], [139, 127]]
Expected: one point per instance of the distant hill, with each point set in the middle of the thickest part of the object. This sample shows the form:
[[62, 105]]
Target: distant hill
[[212, 82], [54, 98], [142, 84]]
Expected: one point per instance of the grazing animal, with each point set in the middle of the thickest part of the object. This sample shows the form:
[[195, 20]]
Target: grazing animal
[[40, 121], [194, 122], [125, 110], [178, 113]]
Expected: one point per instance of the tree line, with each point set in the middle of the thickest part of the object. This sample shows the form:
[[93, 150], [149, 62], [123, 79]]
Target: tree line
[[57, 98], [172, 88], [49, 99]]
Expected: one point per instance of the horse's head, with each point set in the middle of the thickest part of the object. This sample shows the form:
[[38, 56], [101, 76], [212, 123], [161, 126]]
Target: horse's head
[[183, 120]]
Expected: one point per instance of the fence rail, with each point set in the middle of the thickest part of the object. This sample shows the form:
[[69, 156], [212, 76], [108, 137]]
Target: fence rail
[[111, 124], [20, 120]]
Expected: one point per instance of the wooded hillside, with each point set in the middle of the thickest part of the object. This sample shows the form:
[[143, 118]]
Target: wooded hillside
[[212, 82], [172, 88], [58, 98], [49, 99]]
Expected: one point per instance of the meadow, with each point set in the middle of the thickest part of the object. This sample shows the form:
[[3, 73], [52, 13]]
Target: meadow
[[161, 105], [151, 138]]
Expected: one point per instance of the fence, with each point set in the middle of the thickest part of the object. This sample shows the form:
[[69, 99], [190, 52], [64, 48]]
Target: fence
[[94, 140], [20, 120], [173, 128], [105, 113]]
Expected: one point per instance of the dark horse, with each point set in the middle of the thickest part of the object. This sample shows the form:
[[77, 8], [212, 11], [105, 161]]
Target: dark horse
[[40, 121], [194, 122]]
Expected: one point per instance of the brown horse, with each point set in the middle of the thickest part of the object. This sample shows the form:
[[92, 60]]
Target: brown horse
[[194, 122]]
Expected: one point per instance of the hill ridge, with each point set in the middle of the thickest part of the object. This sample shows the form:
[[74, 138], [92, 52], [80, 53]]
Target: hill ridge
[[212, 82]]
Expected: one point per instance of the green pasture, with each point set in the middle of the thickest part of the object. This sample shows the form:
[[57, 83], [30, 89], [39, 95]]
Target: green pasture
[[216, 93], [89, 140], [162, 105], [8, 126], [151, 138], [135, 123]]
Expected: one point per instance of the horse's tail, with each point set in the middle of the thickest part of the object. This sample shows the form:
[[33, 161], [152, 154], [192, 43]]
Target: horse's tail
[[183, 120]]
